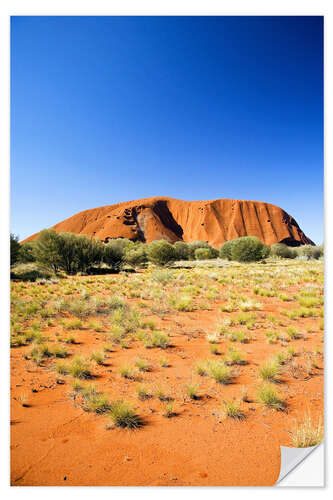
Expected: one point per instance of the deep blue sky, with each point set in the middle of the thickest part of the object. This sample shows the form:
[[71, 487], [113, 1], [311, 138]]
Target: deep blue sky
[[109, 109]]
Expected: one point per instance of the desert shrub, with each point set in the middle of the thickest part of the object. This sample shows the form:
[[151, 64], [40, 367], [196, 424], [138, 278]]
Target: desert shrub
[[14, 249], [318, 252], [182, 250], [203, 254], [29, 272], [283, 251], [136, 256], [309, 252], [249, 249], [225, 252], [194, 245], [161, 252]]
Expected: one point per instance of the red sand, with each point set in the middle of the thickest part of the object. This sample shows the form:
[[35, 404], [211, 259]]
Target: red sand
[[55, 443]]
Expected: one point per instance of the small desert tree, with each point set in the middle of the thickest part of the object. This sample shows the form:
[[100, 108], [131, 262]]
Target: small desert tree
[[161, 252], [47, 249], [66, 244], [88, 252]]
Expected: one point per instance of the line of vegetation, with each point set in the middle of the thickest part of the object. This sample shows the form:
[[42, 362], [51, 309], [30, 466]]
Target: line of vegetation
[[72, 253]]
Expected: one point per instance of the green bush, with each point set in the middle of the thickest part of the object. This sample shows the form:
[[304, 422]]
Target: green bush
[[47, 249], [215, 253], [30, 271], [225, 252], [194, 245], [114, 252], [136, 256], [88, 252], [203, 254], [283, 251], [248, 249], [182, 250], [161, 252]]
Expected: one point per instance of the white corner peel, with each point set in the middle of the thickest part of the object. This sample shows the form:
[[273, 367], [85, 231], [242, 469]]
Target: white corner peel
[[291, 457]]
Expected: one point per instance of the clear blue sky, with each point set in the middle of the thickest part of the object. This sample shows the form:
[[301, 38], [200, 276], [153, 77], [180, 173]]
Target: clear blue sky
[[109, 109]]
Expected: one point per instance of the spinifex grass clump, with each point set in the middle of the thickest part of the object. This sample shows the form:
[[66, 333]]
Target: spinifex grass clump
[[122, 415], [272, 337], [239, 336], [79, 367], [98, 357], [192, 391], [219, 371], [143, 392], [213, 348], [306, 433], [95, 401], [184, 304], [168, 410], [95, 325], [164, 363], [156, 339], [60, 352], [293, 333], [142, 365], [201, 368], [268, 396], [270, 371], [72, 324], [232, 409], [234, 357], [127, 371], [40, 352], [213, 338]]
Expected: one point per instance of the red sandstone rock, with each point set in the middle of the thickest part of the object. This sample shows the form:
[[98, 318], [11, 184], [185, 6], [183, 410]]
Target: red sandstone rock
[[215, 221]]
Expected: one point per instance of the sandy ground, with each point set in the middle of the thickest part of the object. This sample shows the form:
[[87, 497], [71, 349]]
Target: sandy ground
[[55, 442]]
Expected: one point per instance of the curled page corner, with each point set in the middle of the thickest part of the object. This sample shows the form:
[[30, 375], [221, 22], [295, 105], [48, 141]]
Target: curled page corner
[[291, 457]]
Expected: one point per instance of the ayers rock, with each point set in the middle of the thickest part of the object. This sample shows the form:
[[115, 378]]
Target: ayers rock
[[215, 221]]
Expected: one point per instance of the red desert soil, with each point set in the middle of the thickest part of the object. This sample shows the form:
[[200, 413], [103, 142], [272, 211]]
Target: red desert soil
[[55, 442], [215, 221]]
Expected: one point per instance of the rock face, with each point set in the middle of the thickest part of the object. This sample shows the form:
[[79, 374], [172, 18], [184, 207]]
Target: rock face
[[215, 221]]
